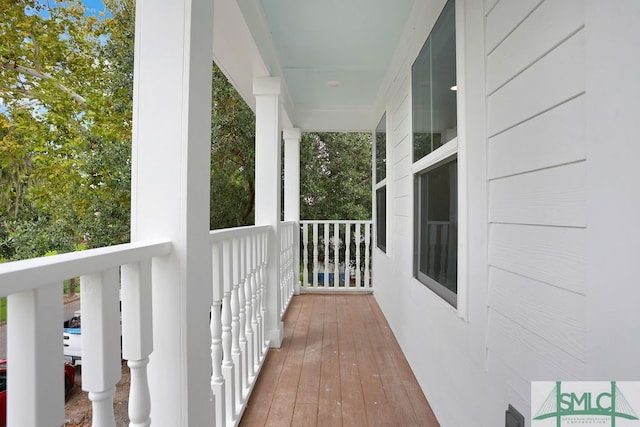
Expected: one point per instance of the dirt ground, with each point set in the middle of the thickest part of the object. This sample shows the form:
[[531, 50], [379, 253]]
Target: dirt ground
[[78, 406]]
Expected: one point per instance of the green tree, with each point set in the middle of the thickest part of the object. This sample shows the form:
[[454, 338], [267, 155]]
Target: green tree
[[335, 176], [232, 156], [53, 83]]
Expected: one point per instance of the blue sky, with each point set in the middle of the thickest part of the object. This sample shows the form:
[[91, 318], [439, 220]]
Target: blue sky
[[93, 6]]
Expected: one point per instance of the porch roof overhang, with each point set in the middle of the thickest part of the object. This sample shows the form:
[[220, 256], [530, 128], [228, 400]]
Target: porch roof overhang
[[336, 59]]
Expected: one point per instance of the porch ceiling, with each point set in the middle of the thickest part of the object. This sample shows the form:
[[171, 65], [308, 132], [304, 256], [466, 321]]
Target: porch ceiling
[[332, 55]]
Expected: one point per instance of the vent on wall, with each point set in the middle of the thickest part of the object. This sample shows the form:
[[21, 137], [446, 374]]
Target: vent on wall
[[513, 418]]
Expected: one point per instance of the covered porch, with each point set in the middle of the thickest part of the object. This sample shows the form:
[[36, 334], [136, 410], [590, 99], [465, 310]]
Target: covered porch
[[199, 312], [339, 364]]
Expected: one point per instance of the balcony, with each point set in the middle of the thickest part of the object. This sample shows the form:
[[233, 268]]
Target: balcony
[[337, 349], [339, 364]]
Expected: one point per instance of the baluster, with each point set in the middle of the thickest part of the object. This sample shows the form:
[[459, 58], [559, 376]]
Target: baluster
[[336, 255], [305, 255], [235, 324], [34, 332], [289, 262], [228, 370], [367, 249], [290, 258], [258, 292], [325, 228], [101, 342], [357, 238], [284, 260], [347, 255], [315, 254], [217, 378], [262, 292], [249, 301], [137, 337], [281, 267], [243, 315], [255, 315]]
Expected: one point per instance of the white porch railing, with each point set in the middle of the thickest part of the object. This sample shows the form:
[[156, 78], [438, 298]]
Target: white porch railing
[[336, 255], [35, 324], [287, 263], [34, 331], [237, 328]]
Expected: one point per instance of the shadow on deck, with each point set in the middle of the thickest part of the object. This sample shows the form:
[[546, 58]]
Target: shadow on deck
[[339, 364]]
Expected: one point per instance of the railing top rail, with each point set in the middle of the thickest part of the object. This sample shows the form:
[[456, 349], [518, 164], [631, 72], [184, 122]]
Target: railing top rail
[[235, 232], [288, 222], [332, 221], [18, 276]]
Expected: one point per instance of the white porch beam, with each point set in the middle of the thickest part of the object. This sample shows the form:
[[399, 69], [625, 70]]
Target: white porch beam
[[170, 198], [268, 194], [292, 192]]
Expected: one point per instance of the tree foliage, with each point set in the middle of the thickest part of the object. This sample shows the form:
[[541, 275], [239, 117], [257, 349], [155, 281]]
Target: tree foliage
[[232, 156], [56, 85], [66, 90], [335, 176]]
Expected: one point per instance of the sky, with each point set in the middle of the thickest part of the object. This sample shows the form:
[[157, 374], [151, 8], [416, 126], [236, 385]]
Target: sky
[[93, 6]]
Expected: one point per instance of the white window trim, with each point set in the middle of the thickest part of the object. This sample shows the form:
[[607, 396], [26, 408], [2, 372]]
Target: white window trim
[[382, 183], [454, 147]]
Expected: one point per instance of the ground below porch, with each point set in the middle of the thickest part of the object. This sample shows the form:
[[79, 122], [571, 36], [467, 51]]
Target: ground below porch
[[339, 364]]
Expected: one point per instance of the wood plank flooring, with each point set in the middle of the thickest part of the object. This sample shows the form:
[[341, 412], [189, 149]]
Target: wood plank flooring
[[339, 365]]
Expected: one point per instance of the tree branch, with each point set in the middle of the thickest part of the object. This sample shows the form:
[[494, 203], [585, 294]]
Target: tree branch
[[24, 92], [36, 52], [8, 65]]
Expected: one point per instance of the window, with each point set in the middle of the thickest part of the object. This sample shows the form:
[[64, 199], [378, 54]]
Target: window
[[381, 217], [437, 229], [435, 167], [381, 149], [380, 137]]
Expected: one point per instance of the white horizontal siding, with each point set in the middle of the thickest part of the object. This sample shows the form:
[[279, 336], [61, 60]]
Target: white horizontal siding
[[555, 315], [551, 23], [555, 196], [529, 354], [504, 18], [550, 139], [402, 205], [554, 255], [489, 5], [555, 78], [401, 225], [401, 131], [537, 170], [402, 165], [515, 387]]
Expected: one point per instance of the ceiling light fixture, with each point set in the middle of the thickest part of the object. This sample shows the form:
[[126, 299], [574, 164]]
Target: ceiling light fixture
[[333, 83]]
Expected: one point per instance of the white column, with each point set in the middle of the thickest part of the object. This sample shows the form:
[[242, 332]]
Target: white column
[[292, 194], [268, 197], [170, 198]]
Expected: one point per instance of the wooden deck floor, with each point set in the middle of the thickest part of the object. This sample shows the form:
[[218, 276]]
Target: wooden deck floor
[[339, 365]]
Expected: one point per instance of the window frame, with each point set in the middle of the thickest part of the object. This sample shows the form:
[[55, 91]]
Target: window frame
[[381, 184], [452, 149]]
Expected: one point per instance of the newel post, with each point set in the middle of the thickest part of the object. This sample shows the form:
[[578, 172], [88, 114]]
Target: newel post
[[268, 195], [170, 199], [292, 194]]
